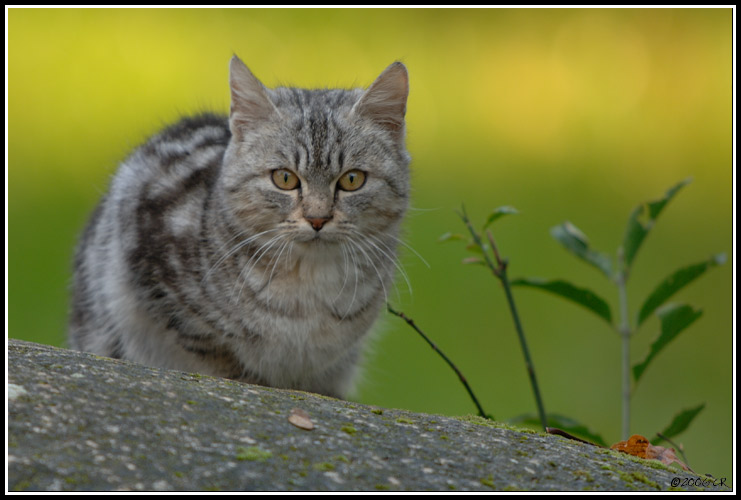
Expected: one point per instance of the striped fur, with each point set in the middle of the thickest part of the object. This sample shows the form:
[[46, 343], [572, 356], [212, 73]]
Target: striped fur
[[196, 260]]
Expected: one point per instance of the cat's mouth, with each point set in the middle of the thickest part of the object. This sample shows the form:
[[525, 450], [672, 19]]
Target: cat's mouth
[[318, 238]]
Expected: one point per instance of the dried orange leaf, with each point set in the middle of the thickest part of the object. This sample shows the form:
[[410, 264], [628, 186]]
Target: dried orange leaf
[[301, 419], [636, 445], [666, 456]]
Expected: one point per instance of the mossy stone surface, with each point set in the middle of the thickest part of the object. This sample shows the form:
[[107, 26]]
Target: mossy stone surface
[[87, 423]]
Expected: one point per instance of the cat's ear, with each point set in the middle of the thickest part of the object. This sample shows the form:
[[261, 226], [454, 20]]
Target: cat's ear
[[385, 101], [250, 102]]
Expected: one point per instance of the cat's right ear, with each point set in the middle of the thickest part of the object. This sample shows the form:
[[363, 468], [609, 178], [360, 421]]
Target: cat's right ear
[[385, 101], [250, 102]]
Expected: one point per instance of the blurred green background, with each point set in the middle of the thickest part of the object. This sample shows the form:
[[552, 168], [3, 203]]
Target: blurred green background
[[565, 114]]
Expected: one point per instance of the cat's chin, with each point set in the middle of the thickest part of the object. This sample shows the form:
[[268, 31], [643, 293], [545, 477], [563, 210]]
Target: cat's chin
[[318, 241]]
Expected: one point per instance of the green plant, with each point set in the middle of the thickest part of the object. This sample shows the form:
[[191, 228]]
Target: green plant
[[673, 318]]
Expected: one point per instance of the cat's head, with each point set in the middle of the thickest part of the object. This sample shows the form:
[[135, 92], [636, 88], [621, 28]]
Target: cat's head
[[317, 165]]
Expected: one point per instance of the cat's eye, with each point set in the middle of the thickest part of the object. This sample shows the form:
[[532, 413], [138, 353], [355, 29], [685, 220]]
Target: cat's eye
[[352, 180], [285, 179]]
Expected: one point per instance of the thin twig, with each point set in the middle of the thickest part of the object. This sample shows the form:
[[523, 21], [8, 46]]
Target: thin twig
[[500, 262], [478, 242], [411, 323], [562, 433], [500, 271], [625, 334]]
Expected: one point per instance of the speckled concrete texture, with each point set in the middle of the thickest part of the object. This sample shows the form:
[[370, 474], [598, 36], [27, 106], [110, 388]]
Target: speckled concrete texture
[[83, 422]]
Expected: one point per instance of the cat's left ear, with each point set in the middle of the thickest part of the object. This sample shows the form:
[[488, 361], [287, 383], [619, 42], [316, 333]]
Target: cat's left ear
[[250, 102], [385, 101]]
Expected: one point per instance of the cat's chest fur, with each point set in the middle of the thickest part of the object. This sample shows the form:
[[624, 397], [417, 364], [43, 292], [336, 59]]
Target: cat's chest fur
[[260, 247]]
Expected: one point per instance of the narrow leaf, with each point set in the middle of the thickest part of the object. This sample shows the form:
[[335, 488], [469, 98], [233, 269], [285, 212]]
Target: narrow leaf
[[636, 230], [680, 423], [635, 233], [473, 260], [577, 243], [655, 207], [497, 213], [473, 247], [562, 422], [674, 318], [450, 237], [581, 296], [675, 282]]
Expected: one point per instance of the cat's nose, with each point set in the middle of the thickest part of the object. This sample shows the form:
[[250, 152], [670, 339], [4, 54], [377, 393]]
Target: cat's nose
[[317, 222]]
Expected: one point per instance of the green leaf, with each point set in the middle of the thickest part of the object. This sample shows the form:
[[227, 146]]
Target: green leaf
[[577, 243], [675, 282], [581, 296], [473, 247], [473, 260], [680, 423], [497, 213], [636, 230], [674, 318], [561, 422], [450, 237]]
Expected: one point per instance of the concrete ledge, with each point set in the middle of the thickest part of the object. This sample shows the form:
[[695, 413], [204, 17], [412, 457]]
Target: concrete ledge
[[83, 422]]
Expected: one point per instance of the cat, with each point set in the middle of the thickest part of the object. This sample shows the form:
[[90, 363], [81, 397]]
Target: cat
[[257, 246]]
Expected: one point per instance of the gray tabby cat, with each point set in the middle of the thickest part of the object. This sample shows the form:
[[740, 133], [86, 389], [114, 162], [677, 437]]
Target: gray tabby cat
[[258, 247]]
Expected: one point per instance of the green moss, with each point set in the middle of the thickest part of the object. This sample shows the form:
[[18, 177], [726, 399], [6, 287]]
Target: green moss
[[488, 481], [640, 477], [487, 422], [402, 420], [22, 485], [253, 453], [342, 458], [444, 437], [625, 476], [77, 478], [323, 466], [349, 429], [377, 411], [583, 474], [632, 477]]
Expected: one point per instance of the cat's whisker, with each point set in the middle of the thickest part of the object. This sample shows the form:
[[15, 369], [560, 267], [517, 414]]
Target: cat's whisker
[[259, 256], [234, 249], [391, 255], [370, 260], [376, 251], [375, 245], [344, 281], [285, 244], [252, 262], [402, 242], [351, 252]]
